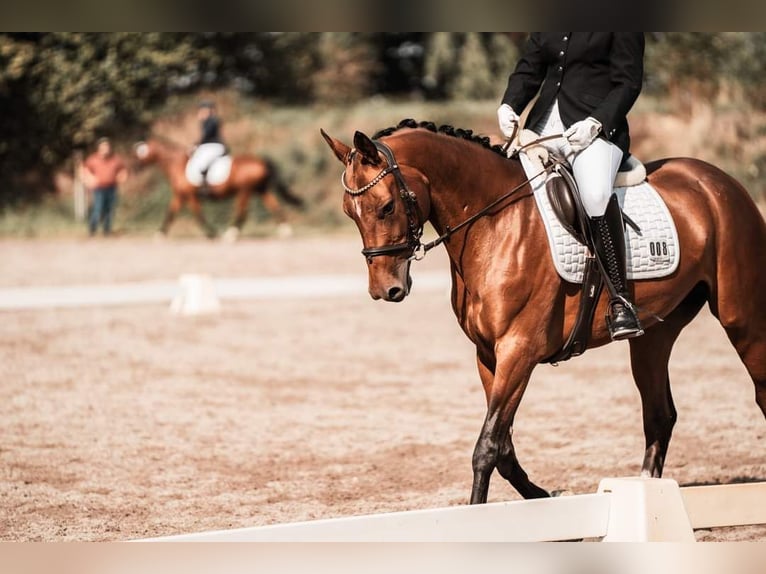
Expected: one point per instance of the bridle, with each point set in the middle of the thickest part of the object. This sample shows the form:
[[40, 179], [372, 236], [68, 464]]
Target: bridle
[[410, 200], [416, 249]]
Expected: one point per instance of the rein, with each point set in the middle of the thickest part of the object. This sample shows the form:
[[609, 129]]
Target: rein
[[425, 248], [417, 249]]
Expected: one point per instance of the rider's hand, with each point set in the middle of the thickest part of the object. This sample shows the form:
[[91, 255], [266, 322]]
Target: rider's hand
[[581, 134], [508, 120]]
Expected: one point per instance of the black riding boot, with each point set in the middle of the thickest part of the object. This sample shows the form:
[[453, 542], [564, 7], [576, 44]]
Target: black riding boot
[[608, 233]]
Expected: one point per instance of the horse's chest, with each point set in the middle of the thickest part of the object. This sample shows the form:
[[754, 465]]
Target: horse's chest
[[484, 318]]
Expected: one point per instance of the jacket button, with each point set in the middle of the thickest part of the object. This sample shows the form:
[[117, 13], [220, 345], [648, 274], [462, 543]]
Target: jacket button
[[561, 53], [561, 68], [558, 84], [566, 38]]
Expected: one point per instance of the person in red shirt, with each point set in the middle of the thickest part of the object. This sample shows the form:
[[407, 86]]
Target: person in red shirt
[[102, 172]]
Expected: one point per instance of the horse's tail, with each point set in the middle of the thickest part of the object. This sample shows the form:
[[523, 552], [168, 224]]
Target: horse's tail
[[280, 187]]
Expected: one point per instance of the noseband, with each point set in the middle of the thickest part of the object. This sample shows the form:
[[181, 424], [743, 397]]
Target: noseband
[[410, 200]]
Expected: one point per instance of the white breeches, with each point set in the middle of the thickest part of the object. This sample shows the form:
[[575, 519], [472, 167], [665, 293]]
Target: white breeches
[[202, 158], [594, 168]]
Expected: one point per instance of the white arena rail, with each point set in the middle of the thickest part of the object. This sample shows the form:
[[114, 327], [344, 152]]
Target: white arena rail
[[148, 292], [623, 510]]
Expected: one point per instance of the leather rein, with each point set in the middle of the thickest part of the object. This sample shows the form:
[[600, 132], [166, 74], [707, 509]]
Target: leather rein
[[418, 250]]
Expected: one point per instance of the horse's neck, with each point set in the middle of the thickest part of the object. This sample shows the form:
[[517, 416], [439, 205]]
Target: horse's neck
[[168, 158], [466, 178]]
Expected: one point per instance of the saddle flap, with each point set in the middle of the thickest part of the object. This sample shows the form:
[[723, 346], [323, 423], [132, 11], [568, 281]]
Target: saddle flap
[[564, 199]]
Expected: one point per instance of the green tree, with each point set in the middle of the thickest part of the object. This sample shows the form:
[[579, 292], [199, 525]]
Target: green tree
[[503, 55], [474, 74], [348, 64], [690, 66], [59, 91], [440, 63]]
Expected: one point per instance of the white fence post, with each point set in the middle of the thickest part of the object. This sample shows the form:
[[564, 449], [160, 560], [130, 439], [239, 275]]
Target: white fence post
[[646, 510]]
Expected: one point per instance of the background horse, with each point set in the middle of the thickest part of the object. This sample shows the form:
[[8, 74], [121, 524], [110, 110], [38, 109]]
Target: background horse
[[249, 175], [506, 293]]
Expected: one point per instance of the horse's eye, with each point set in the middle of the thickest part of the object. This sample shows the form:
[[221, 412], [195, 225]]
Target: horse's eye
[[386, 210]]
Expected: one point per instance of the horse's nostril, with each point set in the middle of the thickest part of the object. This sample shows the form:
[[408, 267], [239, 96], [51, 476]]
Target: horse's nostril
[[395, 294]]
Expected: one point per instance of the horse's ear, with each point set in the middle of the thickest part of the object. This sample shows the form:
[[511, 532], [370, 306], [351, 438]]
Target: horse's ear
[[340, 149], [366, 147]]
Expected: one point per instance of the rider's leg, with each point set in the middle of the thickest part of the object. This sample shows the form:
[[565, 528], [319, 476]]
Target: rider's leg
[[594, 169], [200, 162]]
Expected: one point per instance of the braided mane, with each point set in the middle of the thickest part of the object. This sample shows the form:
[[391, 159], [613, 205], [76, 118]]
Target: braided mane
[[443, 129]]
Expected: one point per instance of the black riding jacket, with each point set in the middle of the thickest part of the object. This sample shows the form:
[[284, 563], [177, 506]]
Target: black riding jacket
[[597, 74], [211, 131]]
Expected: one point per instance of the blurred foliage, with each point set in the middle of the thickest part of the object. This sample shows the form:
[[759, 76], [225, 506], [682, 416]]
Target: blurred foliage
[[690, 67], [60, 91]]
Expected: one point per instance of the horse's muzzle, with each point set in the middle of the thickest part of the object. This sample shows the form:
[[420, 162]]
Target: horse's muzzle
[[394, 290]]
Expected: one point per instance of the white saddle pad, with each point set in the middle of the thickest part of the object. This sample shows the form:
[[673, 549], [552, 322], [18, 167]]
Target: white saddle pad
[[217, 174], [653, 254]]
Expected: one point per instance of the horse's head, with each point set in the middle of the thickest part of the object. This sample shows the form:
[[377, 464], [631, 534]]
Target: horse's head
[[145, 152], [389, 203]]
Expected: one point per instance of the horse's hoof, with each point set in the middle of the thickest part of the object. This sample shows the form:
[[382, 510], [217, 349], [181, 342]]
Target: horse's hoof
[[230, 235], [284, 230], [159, 237], [562, 492]]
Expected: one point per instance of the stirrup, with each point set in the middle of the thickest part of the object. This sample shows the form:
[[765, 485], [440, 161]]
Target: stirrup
[[629, 327]]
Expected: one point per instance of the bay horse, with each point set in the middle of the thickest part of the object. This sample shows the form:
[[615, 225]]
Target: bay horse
[[506, 294], [249, 175]]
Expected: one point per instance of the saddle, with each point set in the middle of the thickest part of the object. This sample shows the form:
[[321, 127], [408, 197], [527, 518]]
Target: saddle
[[564, 197]]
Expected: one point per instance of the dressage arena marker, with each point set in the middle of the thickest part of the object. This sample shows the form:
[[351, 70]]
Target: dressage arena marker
[[197, 296], [623, 510]]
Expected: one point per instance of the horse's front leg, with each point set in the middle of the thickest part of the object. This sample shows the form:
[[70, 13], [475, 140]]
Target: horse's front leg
[[196, 208], [504, 385], [173, 208]]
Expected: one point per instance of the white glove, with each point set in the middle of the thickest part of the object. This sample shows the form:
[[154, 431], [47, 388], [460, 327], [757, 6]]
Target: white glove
[[581, 134], [508, 120]]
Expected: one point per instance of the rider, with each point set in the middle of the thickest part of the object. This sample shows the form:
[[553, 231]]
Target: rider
[[210, 146], [589, 83]]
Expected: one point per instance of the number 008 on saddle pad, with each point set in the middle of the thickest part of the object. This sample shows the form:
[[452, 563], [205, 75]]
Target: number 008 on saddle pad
[[650, 255]]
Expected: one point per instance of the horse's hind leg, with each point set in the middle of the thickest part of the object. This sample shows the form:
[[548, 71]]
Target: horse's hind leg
[[739, 300], [241, 204], [649, 356], [750, 342], [270, 201]]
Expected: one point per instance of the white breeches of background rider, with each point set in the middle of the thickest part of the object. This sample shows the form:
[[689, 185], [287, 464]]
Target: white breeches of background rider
[[594, 168], [201, 159]]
